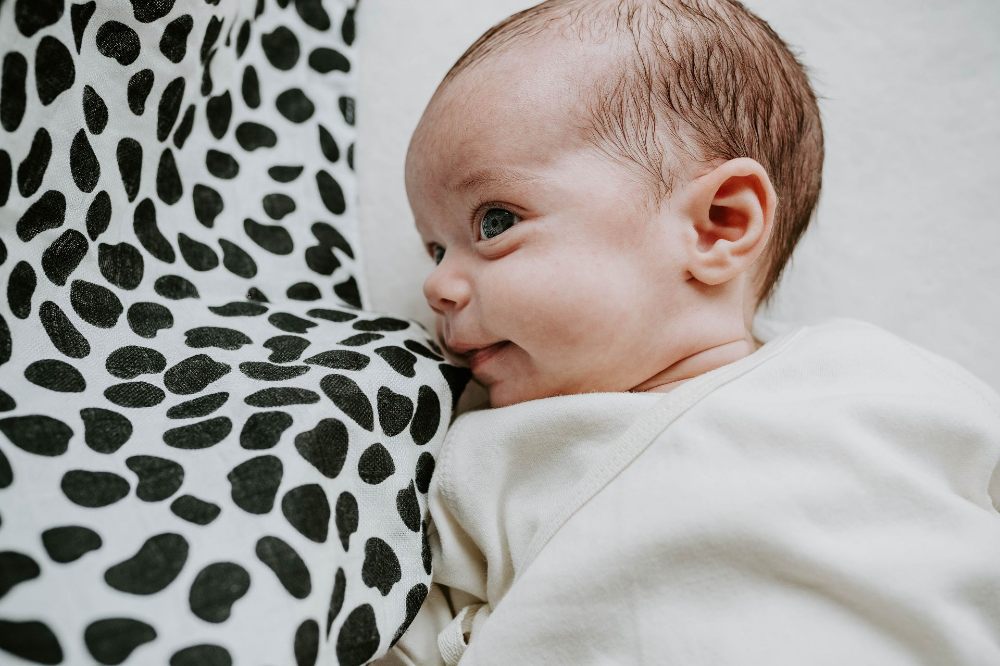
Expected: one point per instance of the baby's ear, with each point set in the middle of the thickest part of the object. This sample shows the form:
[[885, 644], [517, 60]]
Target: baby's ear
[[730, 212]]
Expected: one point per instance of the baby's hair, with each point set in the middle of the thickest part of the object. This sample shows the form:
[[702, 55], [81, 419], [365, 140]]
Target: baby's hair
[[705, 77]]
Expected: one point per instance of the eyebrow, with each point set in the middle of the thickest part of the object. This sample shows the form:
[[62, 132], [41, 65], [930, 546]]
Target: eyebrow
[[493, 176]]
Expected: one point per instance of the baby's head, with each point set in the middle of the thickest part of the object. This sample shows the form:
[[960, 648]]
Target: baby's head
[[610, 189]]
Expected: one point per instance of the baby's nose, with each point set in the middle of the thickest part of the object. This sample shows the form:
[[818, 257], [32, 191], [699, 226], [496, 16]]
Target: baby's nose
[[447, 288]]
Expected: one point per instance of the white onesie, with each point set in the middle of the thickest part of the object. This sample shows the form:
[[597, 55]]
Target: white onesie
[[830, 499]]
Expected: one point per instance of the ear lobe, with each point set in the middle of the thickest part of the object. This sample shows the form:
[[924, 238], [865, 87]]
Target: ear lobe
[[731, 211]]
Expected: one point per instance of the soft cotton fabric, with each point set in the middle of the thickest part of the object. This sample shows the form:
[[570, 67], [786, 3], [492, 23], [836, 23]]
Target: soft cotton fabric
[[829, 499]]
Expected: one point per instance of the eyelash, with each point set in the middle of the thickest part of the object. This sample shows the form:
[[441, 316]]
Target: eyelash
[[475, 214]]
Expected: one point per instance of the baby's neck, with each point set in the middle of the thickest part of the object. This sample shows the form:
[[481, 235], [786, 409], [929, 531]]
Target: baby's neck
[[698, 364]]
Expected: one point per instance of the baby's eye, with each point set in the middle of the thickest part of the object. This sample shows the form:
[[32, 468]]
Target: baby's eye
[[437, 253], [496, 221]]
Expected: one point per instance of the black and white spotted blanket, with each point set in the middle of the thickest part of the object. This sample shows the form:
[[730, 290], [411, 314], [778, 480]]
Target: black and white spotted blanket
[[209, 453]]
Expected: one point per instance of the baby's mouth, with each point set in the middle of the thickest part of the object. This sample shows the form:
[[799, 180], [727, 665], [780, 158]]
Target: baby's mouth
[[480, 356]]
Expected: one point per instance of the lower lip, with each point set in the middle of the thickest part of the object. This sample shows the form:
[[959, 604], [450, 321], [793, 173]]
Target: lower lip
[[484, 355]]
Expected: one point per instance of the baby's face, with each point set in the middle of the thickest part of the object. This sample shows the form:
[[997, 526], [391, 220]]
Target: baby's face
[[548, 252]]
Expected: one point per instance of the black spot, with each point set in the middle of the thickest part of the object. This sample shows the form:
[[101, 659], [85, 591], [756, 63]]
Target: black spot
[[70, 543], [304, 291], [7, 404], [274, 239], [424, 471], [207, 204], [284, 174], [98, 215], [202, 406], [5, 341], [13, 95], [159, 478], [336, 599], [194, 510], [361, 339], [255, 482], [340, 359], [95, 304], [216, 588], [398, 359], [414, 600], [20, 289], [307, 510], [263, 429], [324, 447], [198, 256], [129, 156], [63, 256], [346, 105], [139, 87], [330, 193], [290, 323], [33, 15], [48, 212], [135, 394], [375, 464], [15, 568], [331, 315], [212, 31], [168, 181], [184, 128], [270, 372], [348, 396], [381, 324], [202, 655], [358, 638], [346, 518], [295, 106], [418, 348], [213, 336], [154, 566], [394, 410], [252, 136], [218, 111], [408, 507], [193, 374], [307, 643], [146, 319], [281, 48], [278, 206], [41, 435], [328, 145], [221, 165], [6, 174], [200, 435], [286, 564], [425, 547], [313, 14], [236, 260], [350, 156], [31, 640], [173, 43], [242, 39], [147, 11], [129, 362], [31, 171], [148, 233], [54, 69], [280, 397], [348, 292], [255, 294], [325, 60], [427, 418], [55, 376], [61, 331], [286, 348], [95, 111], [251, 87], [120, 264], [175, 287], [105, 431], [118, 41], [93, 489], [457, 379], [347, 27], [111, 641], [170, 107], [239, 309]]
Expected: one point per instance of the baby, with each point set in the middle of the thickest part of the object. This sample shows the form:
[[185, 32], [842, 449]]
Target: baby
[[610, 189]]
